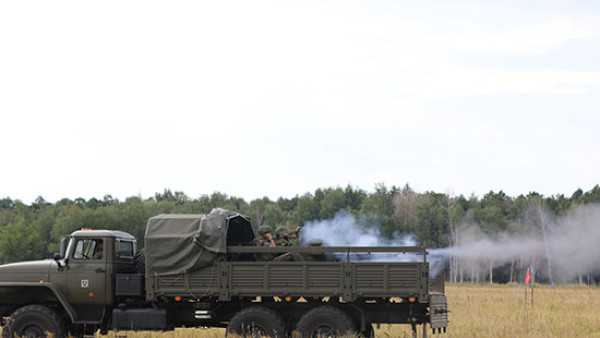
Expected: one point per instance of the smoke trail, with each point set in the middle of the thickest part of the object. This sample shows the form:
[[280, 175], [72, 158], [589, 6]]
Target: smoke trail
[[561, 250], [566, 247], [569, 248]]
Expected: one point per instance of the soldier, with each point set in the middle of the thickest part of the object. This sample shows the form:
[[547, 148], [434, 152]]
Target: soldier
[[287, 237], [280, 238], [99, 250], [264, 239]]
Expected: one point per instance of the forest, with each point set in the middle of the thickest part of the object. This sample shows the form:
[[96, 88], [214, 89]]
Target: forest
[[432, 219]]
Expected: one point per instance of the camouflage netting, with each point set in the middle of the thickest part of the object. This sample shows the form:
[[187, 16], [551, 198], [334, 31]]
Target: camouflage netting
[[176, 243]]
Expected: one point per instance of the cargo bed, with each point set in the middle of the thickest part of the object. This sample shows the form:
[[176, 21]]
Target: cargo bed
[[347, 279]]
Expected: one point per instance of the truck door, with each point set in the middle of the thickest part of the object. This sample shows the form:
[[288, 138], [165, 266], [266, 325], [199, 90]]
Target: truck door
[[87, 278]]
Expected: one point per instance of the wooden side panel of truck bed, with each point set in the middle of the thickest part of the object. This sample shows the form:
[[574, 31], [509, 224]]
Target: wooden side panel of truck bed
[[309, 279]]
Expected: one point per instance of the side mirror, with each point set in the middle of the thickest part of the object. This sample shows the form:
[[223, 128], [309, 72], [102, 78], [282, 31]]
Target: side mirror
[[57, 258], [64, 241]]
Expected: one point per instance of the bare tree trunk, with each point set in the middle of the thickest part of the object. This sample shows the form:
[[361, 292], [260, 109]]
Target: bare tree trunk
[[455, 259], [473, 273], [543, 222], [512, 270], [491, 272], [458, 260], [454, 244], [452, 269]]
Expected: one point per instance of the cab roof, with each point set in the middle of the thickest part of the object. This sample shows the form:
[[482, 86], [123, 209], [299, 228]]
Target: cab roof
[[102, 233]]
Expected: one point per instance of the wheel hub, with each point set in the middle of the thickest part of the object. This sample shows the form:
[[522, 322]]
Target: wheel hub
[[325, 331], [32, 331]]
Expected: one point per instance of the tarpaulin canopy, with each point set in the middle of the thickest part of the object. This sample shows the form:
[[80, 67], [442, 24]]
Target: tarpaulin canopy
[[180, 243]]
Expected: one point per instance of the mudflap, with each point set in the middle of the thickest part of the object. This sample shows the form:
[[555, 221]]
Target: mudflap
[[438, 312]]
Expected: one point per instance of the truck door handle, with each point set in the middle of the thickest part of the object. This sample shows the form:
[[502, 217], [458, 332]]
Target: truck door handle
[[100, 270]]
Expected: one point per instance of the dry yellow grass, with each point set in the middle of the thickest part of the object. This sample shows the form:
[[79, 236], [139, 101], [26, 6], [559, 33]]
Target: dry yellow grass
[[501, 311], [485, 311]]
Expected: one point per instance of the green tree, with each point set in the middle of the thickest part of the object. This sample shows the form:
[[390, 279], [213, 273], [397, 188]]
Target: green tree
[[257, 210], [333, 201], [381, 202], [18, 242], [7, 203], [307, 209], [432, 220], [405, 202], [354, 198], [274, 216]]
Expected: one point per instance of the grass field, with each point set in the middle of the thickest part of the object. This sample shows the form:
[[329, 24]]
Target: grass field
[[486, 311]]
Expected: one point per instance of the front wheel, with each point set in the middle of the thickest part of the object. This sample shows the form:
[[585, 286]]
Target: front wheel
[[5, 332], [34, 321], [325, 321], [257, 321]]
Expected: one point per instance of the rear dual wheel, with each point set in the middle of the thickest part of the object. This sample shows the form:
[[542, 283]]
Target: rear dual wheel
[[257, 321], [325, 322], [320, 322]]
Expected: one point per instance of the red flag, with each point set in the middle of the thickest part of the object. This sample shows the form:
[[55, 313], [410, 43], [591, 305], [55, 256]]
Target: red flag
[[528, 276]]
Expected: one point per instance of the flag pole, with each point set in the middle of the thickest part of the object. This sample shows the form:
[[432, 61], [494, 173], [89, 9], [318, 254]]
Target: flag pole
[[527, 279], [532, 282]]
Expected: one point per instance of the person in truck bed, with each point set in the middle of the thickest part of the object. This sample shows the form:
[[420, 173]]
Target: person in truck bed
[[264, 239]]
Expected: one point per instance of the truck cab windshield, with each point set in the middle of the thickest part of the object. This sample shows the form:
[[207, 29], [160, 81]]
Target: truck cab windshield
[[89, 249]]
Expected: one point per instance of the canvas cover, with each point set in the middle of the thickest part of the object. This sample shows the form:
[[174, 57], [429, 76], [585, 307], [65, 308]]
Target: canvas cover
[[181, 243]]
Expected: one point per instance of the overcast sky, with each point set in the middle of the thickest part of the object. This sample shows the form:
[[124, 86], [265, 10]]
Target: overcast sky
[[278, 98]]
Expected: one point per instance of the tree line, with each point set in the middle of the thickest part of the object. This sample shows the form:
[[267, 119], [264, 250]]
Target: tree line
[[34, 231]]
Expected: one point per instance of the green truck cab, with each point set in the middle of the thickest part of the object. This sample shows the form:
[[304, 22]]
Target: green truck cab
[[78, 286], [201, 270]]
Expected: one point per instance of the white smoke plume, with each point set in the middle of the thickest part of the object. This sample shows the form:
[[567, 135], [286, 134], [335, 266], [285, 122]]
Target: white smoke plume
[[559, 249], [347, 230], [564, 249]]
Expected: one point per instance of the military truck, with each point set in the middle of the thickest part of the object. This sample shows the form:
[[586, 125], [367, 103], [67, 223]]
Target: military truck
[[202, 271]]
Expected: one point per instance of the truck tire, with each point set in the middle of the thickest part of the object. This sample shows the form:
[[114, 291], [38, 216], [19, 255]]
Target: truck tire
[[5, 332], [139, 263], [34, 321], [257, 321], [325, 321]]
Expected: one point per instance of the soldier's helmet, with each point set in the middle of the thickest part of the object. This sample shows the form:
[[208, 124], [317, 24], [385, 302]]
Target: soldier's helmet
[[263, 229], [280, 229]]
